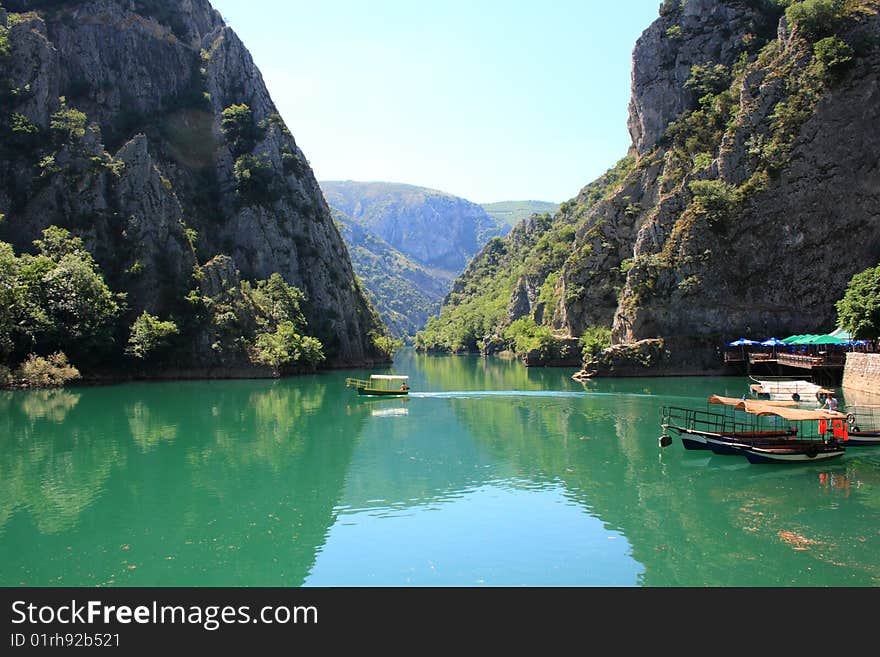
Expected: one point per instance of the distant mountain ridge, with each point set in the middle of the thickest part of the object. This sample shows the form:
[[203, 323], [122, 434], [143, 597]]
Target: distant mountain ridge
[[434, 228], [513, 212], [408, 244]]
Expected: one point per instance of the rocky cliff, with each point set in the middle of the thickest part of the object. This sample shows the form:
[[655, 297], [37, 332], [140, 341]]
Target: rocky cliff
[[144, 127], [750, 195]]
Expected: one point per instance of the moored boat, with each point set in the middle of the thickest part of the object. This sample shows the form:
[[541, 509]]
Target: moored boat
[[788, 439], [864, 425], [782, 389], [710, 430], [795, 453]]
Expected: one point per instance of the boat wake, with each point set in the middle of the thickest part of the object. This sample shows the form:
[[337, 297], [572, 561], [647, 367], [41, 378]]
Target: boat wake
[[478, 394]]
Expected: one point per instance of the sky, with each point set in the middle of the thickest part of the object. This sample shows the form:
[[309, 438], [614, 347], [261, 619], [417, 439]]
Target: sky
[[490, 100]]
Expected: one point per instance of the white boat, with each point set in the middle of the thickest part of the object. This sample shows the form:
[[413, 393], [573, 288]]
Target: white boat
[[788, 390]]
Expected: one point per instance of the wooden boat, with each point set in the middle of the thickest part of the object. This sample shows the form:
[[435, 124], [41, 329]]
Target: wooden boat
[[864, 425], [863, 438], [796, 390], [743, 435], [707, 430], [795, 453], [381, 385]]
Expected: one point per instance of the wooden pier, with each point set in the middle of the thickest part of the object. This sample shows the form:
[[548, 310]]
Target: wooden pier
[[823, 368]]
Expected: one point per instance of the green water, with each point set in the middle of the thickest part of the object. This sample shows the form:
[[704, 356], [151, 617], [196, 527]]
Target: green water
[[490, 474]]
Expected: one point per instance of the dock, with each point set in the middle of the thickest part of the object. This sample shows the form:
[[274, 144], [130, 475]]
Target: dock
[[820, 359], [825, 369]]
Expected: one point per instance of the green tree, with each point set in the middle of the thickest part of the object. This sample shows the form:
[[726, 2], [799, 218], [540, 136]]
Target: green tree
[[814, 18], [524, 335], [714, 199], [9, 299], [25, 135], [286, 346], [254, 179], [68, 124], [387, 345], [833, 53], [706, 79], [594, 340], [237, 124], [149, 334], [5, 45], [58, 298], [859, 310], [278, 301], [49, 372]]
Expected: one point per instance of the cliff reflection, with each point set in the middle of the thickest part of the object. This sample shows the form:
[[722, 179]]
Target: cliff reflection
[[691, 518], [50, 470], [190, 483]]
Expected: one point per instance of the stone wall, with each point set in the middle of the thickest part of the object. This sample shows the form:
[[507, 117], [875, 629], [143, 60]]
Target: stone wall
[[862, 373]]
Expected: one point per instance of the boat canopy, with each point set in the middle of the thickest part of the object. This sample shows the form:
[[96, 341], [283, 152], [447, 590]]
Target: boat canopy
[[793, 414], [740, 404], [388, 377], [787, 385]]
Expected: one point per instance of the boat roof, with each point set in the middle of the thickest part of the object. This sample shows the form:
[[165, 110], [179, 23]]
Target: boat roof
[[793, 414], [740, 404], [776, 382], [388, 377], [784, 409]]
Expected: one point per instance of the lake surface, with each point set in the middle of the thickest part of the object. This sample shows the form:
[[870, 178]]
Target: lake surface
[[490, 474]]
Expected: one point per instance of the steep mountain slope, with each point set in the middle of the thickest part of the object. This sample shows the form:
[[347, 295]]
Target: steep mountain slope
[[513, 212], [408, 244], [145, 128], [748, 200], [403, 292]]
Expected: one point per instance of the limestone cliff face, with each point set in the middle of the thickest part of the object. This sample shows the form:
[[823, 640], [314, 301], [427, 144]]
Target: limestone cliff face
[[749, 198], [796, 179], [155, 166], [697, 32]]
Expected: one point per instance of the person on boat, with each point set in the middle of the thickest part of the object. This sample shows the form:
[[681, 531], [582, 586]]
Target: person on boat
[[831, 404], [404, 387]]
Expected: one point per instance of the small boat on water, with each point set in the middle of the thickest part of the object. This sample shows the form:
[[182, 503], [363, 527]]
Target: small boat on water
[[864, 425], [783, 389], [794, 454], [716, 430], [739, 430], [381, 385]]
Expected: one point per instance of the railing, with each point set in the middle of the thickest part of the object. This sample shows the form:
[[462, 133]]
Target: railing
[[734, 357], [866, 417], [801, 360], [728, 424], [688, 418], [356, 383]]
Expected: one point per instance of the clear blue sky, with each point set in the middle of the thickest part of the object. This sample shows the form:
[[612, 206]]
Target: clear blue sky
[[487, 99]]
